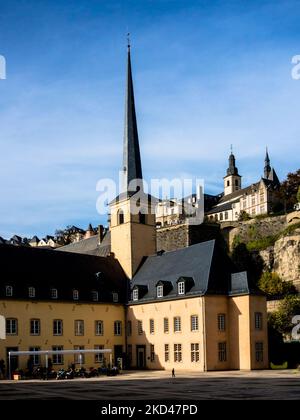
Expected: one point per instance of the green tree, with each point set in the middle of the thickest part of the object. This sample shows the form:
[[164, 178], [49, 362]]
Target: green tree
[[288, 191], [298, 195], [273, 285], [244, 216], [281, 320], [248, 261]]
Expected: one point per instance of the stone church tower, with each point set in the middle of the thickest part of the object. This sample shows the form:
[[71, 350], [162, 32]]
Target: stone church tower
[[132, 225], [232, 181]]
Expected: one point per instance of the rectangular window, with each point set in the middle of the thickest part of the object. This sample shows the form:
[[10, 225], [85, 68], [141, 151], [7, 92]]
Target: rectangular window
[[135, 294], [253, 200], [195, 352], [258, 321], [54, 294], [194, 323], [99, 329], [166, 325], [79, 327], [95, 296], [75, 295], [11, 326], [177, 324], [151, 326], [99, 357], [57, 359], [140, 327], [152, 353], [118, 328], [259, 352], [35, 327], [181, 288], [79, 358], [129, 328], [115, 297], [221, 322], [31, 292], [8, 291], [262, 197], [57, 327], [36, 359], [262, 209], [160, 291], [177, 353], [222, 352], [167, 353]]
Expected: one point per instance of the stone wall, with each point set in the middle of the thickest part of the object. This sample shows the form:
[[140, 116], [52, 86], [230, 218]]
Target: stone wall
[[287, 258]]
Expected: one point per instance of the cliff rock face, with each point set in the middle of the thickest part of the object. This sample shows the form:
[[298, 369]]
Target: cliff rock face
[[287, 258]]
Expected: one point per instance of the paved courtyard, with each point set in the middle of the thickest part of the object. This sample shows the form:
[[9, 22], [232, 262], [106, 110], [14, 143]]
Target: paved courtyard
[[159, 385]]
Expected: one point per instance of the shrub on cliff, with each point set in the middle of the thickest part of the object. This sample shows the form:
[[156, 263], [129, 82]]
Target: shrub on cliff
[[273, 285]]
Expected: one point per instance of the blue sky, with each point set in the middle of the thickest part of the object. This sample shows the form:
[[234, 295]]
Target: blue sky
[[207, 74]]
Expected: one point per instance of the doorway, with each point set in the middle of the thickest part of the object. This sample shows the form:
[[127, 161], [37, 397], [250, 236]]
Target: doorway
[[141, 357], [118, 350], [14, 360]]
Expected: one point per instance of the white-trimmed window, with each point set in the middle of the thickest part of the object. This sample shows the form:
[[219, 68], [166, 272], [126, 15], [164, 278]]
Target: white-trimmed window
[[54, 294], [99, 357], [195, 352], [140, 327], [75, 294], [181, 288], [152, 353], [58, 327], [79, 358], [9, 291], [166, 325], [177, 324], [31, 292], [95, 296], [58, 359], [11, 326], [35, 327], [118, 327], [177, 353], [36, 359], [221, 322], [194, 323], [167, 353], [99, 327], [160, 291], [135, 294], [115, 297], [151, 322], [79, 327]]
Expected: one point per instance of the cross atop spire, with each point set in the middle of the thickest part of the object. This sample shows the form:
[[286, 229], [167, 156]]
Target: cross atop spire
[[132, 167]]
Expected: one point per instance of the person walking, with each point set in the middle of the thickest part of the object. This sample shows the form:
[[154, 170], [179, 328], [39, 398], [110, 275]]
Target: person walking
[[173, 373]]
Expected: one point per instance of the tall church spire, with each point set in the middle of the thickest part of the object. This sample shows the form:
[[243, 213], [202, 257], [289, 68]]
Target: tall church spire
[[267, 169], [132, 167]]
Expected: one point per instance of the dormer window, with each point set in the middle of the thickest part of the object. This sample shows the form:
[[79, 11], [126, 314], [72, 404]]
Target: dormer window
[[9, 291], [160, 291], [31, 292], [135, 294], [75, 295], [181, 288], [54, 294], [95, 296], [115, 297]]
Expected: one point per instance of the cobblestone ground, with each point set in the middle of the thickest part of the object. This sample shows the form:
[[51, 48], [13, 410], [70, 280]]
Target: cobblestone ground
[[158, 385]]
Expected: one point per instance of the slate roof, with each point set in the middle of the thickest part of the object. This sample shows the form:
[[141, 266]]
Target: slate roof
[[222, 207], [89, 246], [23, 267], [205, 263]]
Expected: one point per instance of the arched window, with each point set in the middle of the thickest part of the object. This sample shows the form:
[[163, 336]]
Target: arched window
[[236, 182], [120, 217], [9, 291]]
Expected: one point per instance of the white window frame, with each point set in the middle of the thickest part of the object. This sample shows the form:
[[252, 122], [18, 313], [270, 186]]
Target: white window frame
[[9, 291], [35, 327], [181, 288], [194, 323], [31, 292], [221, 322], [75, 294], [195, 352], [54, 294], [118, 328], [99, 357], [36, 358], [11, 322], [79, 327], [115, 297], [160, 291], [177, 324], [166, 325], [140, 327], [152, 326], [57, 359], [99, 327], [135, 294], [58, 327], [95, 296]]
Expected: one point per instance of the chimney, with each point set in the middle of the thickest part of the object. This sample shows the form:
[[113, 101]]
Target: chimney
[[100, 233]]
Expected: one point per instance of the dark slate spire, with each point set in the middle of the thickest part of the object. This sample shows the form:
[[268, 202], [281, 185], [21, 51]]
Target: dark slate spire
[[268, 168], [232, 169], [131, 158]]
